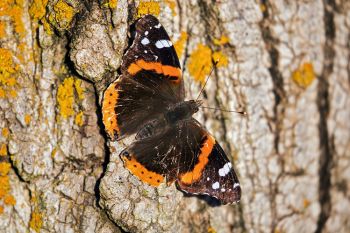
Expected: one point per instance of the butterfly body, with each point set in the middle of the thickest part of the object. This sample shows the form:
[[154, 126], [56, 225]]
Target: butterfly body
[[148, 100]]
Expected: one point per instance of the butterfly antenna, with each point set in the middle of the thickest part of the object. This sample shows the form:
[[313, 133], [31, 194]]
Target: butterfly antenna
[[206, 81], [224, 110]]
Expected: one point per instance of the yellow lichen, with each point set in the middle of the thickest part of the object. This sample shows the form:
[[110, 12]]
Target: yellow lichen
[[211, 230], [65, 97], [27, 119], [179, 45], [200, 63], [37, 9], [54, 152], [5, 132], [62, 14], [4, 168], [3, 150], [47, 26], [79, 89], [304, 75], [8, 72], [9, 200], [172, 5], [79, 121], [223, 40], [148, 7], [220, 58], [263, 7], [112, 3], [36, 221]]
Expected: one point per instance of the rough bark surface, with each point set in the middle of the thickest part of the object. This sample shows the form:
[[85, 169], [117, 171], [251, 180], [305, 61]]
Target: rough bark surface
[[286, 63]]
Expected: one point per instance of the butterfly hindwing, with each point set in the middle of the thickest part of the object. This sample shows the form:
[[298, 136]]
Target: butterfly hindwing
[[187, 154]]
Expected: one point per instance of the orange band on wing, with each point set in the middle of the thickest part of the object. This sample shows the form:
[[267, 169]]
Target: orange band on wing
[[141, 172], [157, 67], [203, 158], [110, 99]]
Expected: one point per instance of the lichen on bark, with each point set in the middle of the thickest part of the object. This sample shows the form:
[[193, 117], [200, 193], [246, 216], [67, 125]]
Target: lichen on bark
[[286, 63]]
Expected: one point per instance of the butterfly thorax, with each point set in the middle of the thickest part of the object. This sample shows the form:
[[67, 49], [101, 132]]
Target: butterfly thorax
[[182, 111], [175, 113]]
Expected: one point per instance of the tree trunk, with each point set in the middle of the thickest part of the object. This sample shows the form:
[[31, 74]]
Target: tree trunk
[[286, 63]]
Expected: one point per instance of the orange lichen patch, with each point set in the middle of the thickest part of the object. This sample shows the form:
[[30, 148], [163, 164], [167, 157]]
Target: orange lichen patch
[[5, 132], [4, 186], [37, 9], [110, 121], [79, 121], [14, 10], [27, 119], [156, 67], [148, 7], [220, 58], [263, 7], [142, 173], [2, 29], [200, 63], [8, 71], [36, 220], [304, 75], [1, 209], [3, 150], [223, 40], [179, 45], [172, 5], [306, 203], [62, 14], [2, 93], [203, 158], [65, 97], [9, 200]]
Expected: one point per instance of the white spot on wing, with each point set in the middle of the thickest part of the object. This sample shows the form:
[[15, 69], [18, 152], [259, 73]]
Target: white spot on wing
[[145, 41], [236, 185], [158, 25], [223, 190], [146, 33], [208, 178], [163, 44], [216, 185], [225, 169], [145, 51]]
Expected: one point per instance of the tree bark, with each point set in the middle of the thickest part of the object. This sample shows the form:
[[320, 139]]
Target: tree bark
[[286, 63]]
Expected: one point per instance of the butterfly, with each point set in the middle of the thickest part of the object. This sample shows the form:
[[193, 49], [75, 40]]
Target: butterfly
[[148, 100]]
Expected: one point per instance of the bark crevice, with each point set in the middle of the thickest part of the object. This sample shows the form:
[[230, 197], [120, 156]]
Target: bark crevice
[[323, 104]]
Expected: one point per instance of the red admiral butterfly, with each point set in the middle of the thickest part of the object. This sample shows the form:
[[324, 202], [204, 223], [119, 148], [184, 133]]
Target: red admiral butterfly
[[148, 100]]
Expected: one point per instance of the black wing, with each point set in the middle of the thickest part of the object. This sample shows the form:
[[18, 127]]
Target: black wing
[[151, 81], [187, 154]]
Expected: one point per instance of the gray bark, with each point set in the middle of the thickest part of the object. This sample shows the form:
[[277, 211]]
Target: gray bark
[[288, 67]]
